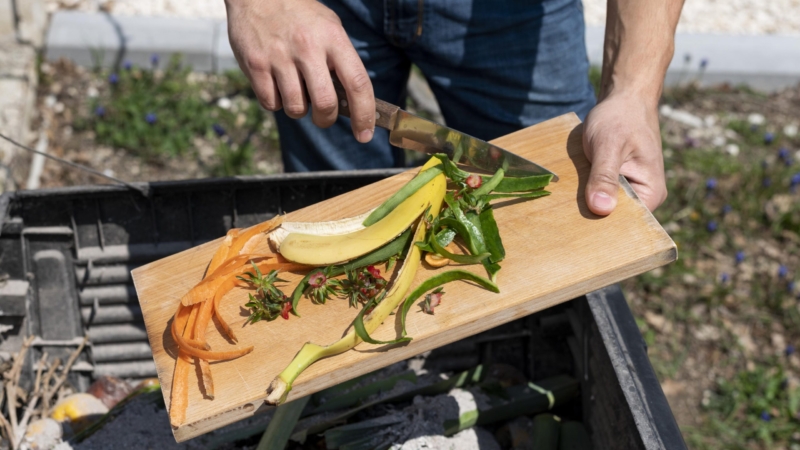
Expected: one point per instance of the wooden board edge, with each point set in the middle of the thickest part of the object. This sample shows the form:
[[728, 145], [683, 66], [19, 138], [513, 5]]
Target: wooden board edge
[[257, 405]]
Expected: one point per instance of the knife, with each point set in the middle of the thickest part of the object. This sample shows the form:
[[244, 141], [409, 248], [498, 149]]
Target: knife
[[412, 132]]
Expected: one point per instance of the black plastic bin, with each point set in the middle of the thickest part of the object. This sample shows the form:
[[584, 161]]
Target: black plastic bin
[[66, 256]]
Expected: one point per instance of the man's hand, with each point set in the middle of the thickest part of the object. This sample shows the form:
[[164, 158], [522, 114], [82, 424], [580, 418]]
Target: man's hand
[[287, 48], [621, 134], [621, 137]]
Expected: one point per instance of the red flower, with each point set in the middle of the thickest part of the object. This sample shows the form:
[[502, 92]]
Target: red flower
[[317, 279], [474, 181], [436, 298], [287, 306], [373, 271]]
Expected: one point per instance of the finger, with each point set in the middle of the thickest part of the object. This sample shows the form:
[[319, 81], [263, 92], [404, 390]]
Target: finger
[[266, 90], [322, 95], [603, 185], [290, 85], [360, 96]]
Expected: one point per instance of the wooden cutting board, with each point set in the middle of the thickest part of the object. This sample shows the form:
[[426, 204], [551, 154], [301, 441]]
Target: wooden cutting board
[[556, 250]]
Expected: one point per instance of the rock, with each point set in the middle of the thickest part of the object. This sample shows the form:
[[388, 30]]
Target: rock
[[79, 410], [110, 390], [682, 117], [43, 434], [656, 321], [778, 342], [224, 103], [706, 332], [732, 149], [790, 130], [756, 119]]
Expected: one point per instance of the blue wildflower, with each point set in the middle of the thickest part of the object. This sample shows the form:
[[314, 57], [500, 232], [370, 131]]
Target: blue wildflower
[[789, 350], [154, 60], [150, 118], [739, 257], [218, 129], [766, 182], [711, 226], [795, 179], [113, 78], [768, 138], [765, 416], [100, 111], [704, 63], [127, 65], [782, 271], [783, 153], [724, 277], [790, 286], [711, 184], [726, 209]]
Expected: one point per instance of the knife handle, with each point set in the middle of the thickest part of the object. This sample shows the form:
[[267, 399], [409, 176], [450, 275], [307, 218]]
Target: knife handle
[[385, 113]]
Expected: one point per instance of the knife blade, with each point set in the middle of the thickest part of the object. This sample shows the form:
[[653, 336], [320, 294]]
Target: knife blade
[[409, 131]]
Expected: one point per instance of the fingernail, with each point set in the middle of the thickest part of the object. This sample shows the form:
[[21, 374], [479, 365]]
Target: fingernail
[[364, 136], [603, 201]]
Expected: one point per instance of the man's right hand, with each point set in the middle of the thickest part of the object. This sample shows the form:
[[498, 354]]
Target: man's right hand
[[287, 48]]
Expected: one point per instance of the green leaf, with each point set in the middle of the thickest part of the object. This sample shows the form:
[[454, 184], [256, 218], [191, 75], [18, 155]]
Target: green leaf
[[491, 235], [523, 184], [280, 428], [461, 259]]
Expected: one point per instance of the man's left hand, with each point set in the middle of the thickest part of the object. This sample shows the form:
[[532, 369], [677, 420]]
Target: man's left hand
[[621, 137]]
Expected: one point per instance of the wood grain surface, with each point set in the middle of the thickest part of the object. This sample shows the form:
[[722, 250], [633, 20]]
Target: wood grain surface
[[556, 250]]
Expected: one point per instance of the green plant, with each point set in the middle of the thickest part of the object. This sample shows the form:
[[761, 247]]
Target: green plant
[[158, 114]]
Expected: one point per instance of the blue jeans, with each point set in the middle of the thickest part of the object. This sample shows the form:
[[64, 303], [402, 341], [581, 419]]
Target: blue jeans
[[494, 66]]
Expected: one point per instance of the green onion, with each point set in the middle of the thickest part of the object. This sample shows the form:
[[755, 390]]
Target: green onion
[[406, 191], [489, 185], [534, 194], [438, 280], [523, 184]]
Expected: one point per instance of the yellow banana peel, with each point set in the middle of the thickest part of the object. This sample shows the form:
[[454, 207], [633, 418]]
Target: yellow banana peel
[[323, 250], [310, 353]]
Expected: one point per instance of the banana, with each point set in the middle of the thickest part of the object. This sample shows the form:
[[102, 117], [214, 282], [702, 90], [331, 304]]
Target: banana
[[331, 228], [323, 250], [310, 353]]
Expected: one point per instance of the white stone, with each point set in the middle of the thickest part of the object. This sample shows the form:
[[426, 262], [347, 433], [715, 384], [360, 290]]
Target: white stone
[[756, 119], [683, 117], [790, 130], [224, 103], [718, 141], [92, 92], [50, 101], [732, 149], [710, 120]]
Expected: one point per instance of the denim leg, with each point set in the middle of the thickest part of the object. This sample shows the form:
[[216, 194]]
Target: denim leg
[[496, 67], [305, 147]]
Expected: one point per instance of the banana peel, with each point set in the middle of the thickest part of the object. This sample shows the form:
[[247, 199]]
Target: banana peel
[[324, 250], [310, 353]]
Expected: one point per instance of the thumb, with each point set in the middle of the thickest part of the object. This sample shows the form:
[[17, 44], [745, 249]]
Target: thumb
[[603, 185]]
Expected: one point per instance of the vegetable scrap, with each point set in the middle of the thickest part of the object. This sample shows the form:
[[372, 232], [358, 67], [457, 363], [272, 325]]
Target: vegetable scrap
[[452, 224]]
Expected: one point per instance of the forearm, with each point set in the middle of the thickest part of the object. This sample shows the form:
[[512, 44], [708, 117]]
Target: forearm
[[639, 44]]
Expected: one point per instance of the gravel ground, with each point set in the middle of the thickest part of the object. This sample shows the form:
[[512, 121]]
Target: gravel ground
[[699, 16]]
